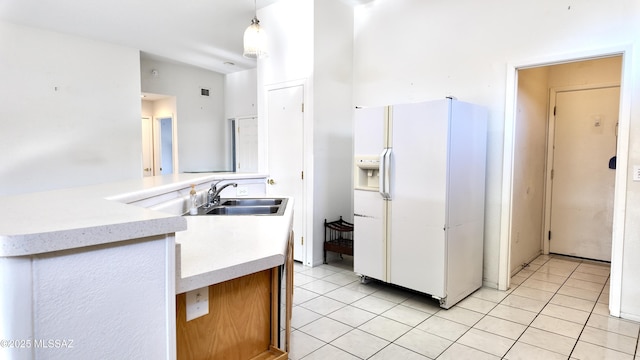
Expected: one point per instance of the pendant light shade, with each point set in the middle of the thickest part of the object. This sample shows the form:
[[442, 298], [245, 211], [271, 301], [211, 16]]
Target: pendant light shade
[[255, 40]]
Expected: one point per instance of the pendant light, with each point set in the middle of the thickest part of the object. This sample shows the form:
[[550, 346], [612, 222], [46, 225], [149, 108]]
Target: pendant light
[[255, 39]]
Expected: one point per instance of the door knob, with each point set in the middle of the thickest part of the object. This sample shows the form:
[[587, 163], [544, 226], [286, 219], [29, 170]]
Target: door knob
[[147, 169], [271, 181]]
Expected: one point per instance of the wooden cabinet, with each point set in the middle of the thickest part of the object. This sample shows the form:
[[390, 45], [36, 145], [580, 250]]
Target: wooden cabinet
[[243, 318]]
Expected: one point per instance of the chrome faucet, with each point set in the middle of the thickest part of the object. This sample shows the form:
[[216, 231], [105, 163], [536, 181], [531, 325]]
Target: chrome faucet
[[213, 195]]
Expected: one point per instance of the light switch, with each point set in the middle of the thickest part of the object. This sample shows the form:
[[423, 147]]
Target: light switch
[[197, 303], [636, 172], [597, 121]]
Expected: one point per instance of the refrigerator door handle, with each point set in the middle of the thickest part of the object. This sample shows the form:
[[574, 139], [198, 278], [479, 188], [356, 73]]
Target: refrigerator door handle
[[385, 177], [381, 184], [387, 174], [380, 172]]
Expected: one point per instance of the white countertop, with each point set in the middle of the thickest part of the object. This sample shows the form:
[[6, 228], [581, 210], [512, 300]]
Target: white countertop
[[63, 219], [59, 220], [211, 250], [220, 248]]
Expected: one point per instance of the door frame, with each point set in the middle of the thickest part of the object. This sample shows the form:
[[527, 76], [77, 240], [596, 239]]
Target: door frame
[[619, 211], [551, 121], [152, 149], [307, 144]]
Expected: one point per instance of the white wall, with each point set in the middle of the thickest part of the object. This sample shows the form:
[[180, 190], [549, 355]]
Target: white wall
[[333, 117], [91, 298], [409, 50], [147, 108], [289, 28], [201, 123], [241, 94], [70, 111], [121, 294], [241, 100], [311, 43]]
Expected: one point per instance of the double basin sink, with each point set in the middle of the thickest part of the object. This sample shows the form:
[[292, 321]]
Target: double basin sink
[[246, 206]]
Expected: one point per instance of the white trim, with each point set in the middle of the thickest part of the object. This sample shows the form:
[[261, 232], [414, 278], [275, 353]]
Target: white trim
[[17, 304], [619, 196], [632, 317], [551, 128], [621, 173], [504, 257], [170, 284]]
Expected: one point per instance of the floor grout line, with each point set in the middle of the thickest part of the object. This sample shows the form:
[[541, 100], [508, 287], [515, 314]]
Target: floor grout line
[[484, 313]]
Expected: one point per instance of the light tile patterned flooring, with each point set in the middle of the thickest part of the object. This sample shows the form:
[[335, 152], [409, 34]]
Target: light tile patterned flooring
[[556, 309]]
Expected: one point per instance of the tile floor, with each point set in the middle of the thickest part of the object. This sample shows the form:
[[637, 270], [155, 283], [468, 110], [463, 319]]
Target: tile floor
[[556, 309]]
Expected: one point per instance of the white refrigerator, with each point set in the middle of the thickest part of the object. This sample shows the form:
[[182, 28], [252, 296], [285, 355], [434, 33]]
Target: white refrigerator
[[419, 185]]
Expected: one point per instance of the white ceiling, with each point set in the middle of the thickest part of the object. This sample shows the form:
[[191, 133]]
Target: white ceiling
[[204, 33]]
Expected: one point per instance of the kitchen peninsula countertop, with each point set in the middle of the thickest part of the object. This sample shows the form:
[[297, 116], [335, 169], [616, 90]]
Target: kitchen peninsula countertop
[[221, 248], [210, 249]]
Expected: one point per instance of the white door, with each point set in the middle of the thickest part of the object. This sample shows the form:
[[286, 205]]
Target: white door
[[582, 183], [147, 146], [285, 119], [246, 144]]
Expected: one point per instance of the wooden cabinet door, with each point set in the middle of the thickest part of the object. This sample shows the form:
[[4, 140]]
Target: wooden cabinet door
[[238, 326]]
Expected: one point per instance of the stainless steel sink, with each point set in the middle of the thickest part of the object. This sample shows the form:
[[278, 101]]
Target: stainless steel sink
[[243, 210], [246, 206], [251, 202]]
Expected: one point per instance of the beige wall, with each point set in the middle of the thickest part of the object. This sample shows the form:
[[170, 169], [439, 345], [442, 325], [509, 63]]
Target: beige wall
[[529, 166]]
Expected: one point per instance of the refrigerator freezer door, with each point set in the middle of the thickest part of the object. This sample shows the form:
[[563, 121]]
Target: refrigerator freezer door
[[369, 240], [418, 183]]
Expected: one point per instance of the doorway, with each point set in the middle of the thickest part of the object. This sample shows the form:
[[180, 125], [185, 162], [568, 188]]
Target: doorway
[[530, 170], [159, 135], [166, 145], [157, 146]]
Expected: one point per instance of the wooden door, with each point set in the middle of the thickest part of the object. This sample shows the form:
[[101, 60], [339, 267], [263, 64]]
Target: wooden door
[[238, 325]]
